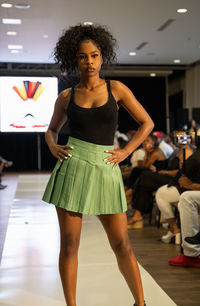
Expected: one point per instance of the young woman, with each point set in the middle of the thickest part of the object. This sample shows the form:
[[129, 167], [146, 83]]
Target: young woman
[[87, 177], [153, 159]]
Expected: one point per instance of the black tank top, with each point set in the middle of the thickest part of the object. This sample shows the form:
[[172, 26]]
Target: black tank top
[[96, 124]]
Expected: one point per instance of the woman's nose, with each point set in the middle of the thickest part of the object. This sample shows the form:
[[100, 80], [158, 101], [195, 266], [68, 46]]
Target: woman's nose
[[89, 60]]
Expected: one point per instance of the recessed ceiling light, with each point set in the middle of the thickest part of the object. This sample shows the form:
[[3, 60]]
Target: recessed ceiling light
[[88, 23], [177, 61], [22, 6], [182, 11], [14, 51], [152, 74], [18, 47], [11, 21], [7, 5], [45, 36], [11, 33], [132, 53]]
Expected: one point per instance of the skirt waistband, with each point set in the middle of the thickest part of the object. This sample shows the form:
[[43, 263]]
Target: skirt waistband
[[92, 147]]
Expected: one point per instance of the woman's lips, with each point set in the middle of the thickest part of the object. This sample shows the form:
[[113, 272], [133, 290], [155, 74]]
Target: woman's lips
[[90, 69]]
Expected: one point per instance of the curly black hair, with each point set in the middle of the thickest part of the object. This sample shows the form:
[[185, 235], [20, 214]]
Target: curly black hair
[[65, 52]]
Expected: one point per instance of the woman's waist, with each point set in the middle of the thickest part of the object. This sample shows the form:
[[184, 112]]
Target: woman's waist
[[88, 151], [89, 146]]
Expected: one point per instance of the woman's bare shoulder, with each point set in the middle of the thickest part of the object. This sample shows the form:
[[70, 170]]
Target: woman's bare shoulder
[[121, 90], [117, 85], [64, 97], [118, 89], [66, 93]]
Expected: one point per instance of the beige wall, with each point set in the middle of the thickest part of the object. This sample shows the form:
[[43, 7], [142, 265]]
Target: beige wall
[[192, 82]]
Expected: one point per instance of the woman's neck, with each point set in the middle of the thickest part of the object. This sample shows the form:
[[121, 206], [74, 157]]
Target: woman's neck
[[90, 83]]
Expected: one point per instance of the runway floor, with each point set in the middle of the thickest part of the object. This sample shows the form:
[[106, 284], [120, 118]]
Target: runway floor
[[29, 267]]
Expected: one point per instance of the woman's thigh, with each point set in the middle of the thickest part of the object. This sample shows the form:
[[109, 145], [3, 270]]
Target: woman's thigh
[[168, 194], [70, 224]]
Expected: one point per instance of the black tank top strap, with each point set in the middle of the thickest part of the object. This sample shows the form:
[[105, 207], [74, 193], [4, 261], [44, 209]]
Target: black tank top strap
[[72, 92], [72, 96], [111, 97], [109, 89]]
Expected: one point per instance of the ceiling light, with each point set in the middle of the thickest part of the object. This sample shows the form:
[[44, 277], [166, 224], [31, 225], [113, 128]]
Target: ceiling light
[[182, 10], [177, 61], [132, 53], [18, 47], [7, 5], [11, 21], [11, 33], [22, 6], [14, 51], [45, 36], [152, 74], [88, 23]]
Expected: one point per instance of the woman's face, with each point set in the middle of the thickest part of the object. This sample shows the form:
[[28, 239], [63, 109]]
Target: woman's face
[[148, 143], [89, 58]]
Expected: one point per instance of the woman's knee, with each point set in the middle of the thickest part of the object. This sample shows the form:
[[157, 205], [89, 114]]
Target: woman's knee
[[122, 247], [70, 244]]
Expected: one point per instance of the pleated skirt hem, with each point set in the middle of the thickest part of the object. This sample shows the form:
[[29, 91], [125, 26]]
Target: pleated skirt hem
[[84, 212]]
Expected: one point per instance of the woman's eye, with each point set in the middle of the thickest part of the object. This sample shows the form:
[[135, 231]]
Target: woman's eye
[[95, 55]]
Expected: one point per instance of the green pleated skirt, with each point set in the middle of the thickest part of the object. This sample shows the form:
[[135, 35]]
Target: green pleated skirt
[[84, 183]]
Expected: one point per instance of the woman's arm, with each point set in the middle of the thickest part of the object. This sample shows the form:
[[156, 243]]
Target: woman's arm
[[125, 96], [58, 119], [186, 183], [168, 172], [151, 159]]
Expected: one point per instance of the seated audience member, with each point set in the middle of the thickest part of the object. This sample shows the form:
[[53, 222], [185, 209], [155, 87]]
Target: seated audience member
[[162, 144], [153, 158], [170, 140], [192, 130], [136, 160], [121, 136], [3, 163], [189, 207], [194, 239], [137, 157], [170, 194], [122, 141], [148, 182]]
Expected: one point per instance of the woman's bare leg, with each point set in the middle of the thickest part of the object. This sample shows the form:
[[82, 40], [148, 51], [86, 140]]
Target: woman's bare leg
[[173, 225], [136, 217], [116, 228], [70, 230]]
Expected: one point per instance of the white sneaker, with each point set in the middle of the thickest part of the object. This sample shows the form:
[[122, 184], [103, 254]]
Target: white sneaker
[[167, 238]]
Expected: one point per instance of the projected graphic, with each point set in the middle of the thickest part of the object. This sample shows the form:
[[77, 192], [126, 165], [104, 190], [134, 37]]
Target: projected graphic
[[30, 90], [26, 104]]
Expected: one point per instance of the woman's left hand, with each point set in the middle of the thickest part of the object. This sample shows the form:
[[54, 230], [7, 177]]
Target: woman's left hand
[[116, 157]]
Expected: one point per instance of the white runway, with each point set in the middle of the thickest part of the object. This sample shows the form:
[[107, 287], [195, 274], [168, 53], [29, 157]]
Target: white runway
[[29, 271]]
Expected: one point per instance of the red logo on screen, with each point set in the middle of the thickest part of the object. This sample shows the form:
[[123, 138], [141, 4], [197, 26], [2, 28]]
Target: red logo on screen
[[29, 89]]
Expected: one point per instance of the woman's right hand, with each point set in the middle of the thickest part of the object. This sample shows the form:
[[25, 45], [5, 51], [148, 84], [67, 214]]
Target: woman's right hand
[[152, 168], [59, 152]]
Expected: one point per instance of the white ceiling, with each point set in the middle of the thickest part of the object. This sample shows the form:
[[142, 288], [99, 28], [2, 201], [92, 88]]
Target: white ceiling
[[132, 22]]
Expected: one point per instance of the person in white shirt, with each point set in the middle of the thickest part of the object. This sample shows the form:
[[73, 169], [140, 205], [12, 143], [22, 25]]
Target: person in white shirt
[[138, 155], [162, 144]]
